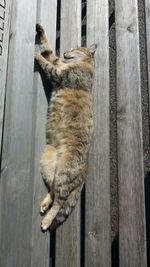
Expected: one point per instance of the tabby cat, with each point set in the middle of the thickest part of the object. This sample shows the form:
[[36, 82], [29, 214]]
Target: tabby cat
[[69, 128]]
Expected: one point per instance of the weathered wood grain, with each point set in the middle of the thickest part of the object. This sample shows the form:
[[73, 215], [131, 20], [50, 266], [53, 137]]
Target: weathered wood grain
[[16, 188], [5, 8], [97, 227], [68, 236], [132, 240], [46, 15], [147, 13]]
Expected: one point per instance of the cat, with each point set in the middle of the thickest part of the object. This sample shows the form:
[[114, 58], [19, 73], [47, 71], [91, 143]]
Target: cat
[[69, 128]]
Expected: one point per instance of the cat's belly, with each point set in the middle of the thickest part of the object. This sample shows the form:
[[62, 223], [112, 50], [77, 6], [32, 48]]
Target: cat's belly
[[70, 119]]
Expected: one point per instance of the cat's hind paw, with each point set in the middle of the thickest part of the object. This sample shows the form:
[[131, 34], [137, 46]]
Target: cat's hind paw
[[51, 214], [44, 207], [45, 203], [44, 225]]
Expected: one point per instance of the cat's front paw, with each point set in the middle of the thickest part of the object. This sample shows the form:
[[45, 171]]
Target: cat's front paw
[[39, 29], [36, 56]]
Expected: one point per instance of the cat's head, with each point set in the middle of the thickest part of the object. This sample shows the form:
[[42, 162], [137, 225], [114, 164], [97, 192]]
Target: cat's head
[[80, 53]]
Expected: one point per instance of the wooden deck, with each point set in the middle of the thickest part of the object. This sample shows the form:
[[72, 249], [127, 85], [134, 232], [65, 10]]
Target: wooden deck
[[86, 239]]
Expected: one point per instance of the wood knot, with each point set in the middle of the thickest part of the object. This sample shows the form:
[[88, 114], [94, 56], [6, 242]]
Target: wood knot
[[92, 234], [130, 28]]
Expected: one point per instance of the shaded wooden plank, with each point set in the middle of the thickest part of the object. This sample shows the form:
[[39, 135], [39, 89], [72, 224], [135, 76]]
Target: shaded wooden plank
[[46, 15], [147, 20], [68, 235], [147, 13], [16, 188], [5, 8], [97, 220], [132, 240]]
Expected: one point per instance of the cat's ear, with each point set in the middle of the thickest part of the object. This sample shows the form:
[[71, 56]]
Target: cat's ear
[[92, 48]]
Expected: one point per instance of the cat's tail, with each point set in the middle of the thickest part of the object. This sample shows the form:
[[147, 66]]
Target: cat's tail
[[67, 208]]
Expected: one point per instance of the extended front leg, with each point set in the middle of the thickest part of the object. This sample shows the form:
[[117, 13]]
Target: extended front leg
[[46, 51], [42, 37], [53, 71]]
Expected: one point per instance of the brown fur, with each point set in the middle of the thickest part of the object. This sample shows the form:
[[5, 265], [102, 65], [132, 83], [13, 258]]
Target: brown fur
[[69, 128]]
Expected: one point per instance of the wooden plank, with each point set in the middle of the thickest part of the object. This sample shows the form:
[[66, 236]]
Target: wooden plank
[[46, 15], [68, 236], [97, 227], [132, 240], [5, 8], [16, 188], [147, 20], [147, 13]]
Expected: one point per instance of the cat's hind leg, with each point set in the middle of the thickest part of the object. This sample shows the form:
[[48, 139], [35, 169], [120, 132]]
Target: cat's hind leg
[[50, 216], [53, 218], [48, 166], [67, 207]]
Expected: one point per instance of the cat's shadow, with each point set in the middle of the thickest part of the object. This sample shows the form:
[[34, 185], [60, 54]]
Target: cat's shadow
[[47, 86]]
